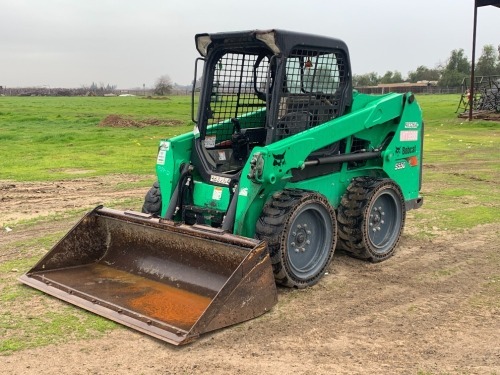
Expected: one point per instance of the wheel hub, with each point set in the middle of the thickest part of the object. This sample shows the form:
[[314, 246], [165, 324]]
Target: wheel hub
[[301, 238], [376, 219]]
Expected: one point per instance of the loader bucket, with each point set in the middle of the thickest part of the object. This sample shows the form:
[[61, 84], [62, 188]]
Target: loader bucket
[[170, 281]]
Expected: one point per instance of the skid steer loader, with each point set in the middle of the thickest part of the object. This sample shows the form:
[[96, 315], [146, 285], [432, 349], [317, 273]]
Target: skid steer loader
[[285, 164]]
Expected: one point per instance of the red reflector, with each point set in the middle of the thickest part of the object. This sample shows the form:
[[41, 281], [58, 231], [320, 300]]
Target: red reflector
[[413, 161]]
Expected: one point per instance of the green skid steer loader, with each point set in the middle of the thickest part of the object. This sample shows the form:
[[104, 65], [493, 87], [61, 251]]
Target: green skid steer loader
[[285, 164]]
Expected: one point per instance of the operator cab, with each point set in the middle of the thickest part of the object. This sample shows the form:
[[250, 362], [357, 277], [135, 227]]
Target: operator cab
[[260, 87]]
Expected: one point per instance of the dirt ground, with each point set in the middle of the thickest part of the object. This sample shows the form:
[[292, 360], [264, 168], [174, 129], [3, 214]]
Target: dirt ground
[[119, 121], [483, 115], [433, 308]]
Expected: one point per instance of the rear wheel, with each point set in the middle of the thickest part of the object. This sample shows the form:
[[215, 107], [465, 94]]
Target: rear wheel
[[301, 232], [371, 218], [152, 201]]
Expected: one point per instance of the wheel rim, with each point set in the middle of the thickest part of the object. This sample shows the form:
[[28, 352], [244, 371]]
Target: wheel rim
[[384, 221], [309, 241]]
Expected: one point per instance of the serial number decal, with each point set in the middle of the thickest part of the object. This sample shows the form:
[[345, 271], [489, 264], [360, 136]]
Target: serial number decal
[[408, 135], [411, 125], [400, 165], [220, 180]]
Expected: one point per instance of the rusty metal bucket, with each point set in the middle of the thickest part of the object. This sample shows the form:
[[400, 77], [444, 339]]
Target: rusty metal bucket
[[173, 282]]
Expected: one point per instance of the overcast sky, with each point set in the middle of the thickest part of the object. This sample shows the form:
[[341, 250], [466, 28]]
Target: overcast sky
[[128, 43]]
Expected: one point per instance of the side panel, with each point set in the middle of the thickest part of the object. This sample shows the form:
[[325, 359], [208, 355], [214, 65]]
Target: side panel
[[172, 154], [210, 196], [333, 186], [392, 123], [403, 156]]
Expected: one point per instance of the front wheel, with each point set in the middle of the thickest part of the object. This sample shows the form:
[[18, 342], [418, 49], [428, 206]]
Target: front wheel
[[371, 218], [301, 231]]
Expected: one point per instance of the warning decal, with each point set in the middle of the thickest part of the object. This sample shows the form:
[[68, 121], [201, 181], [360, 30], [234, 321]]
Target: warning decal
[[408, 135]]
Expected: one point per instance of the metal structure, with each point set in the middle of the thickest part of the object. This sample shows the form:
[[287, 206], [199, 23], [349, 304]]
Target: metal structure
[[486, 93], [477, 4]]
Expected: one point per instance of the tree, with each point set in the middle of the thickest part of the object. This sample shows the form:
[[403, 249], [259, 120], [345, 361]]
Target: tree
[[387, 77], [451, 78], [498, 63], [392, 77], [456, 69], [488, 64], [163, 85], [397, 77], [197, 84], [423, 73], [368, 79]]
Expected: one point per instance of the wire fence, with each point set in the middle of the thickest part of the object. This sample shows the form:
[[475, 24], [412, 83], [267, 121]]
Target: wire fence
[[48, 91], [405, 88], [54, 91]]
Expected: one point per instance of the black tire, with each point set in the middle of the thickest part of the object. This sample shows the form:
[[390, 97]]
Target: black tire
[[152, 201], [301, 231], [371, 218]]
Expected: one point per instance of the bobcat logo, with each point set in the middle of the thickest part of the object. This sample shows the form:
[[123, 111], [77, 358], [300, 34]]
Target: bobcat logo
[[279, 160], [398, 150]]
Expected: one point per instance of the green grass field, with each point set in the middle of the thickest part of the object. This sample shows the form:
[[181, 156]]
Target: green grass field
[[44, 139], [48, 138]]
